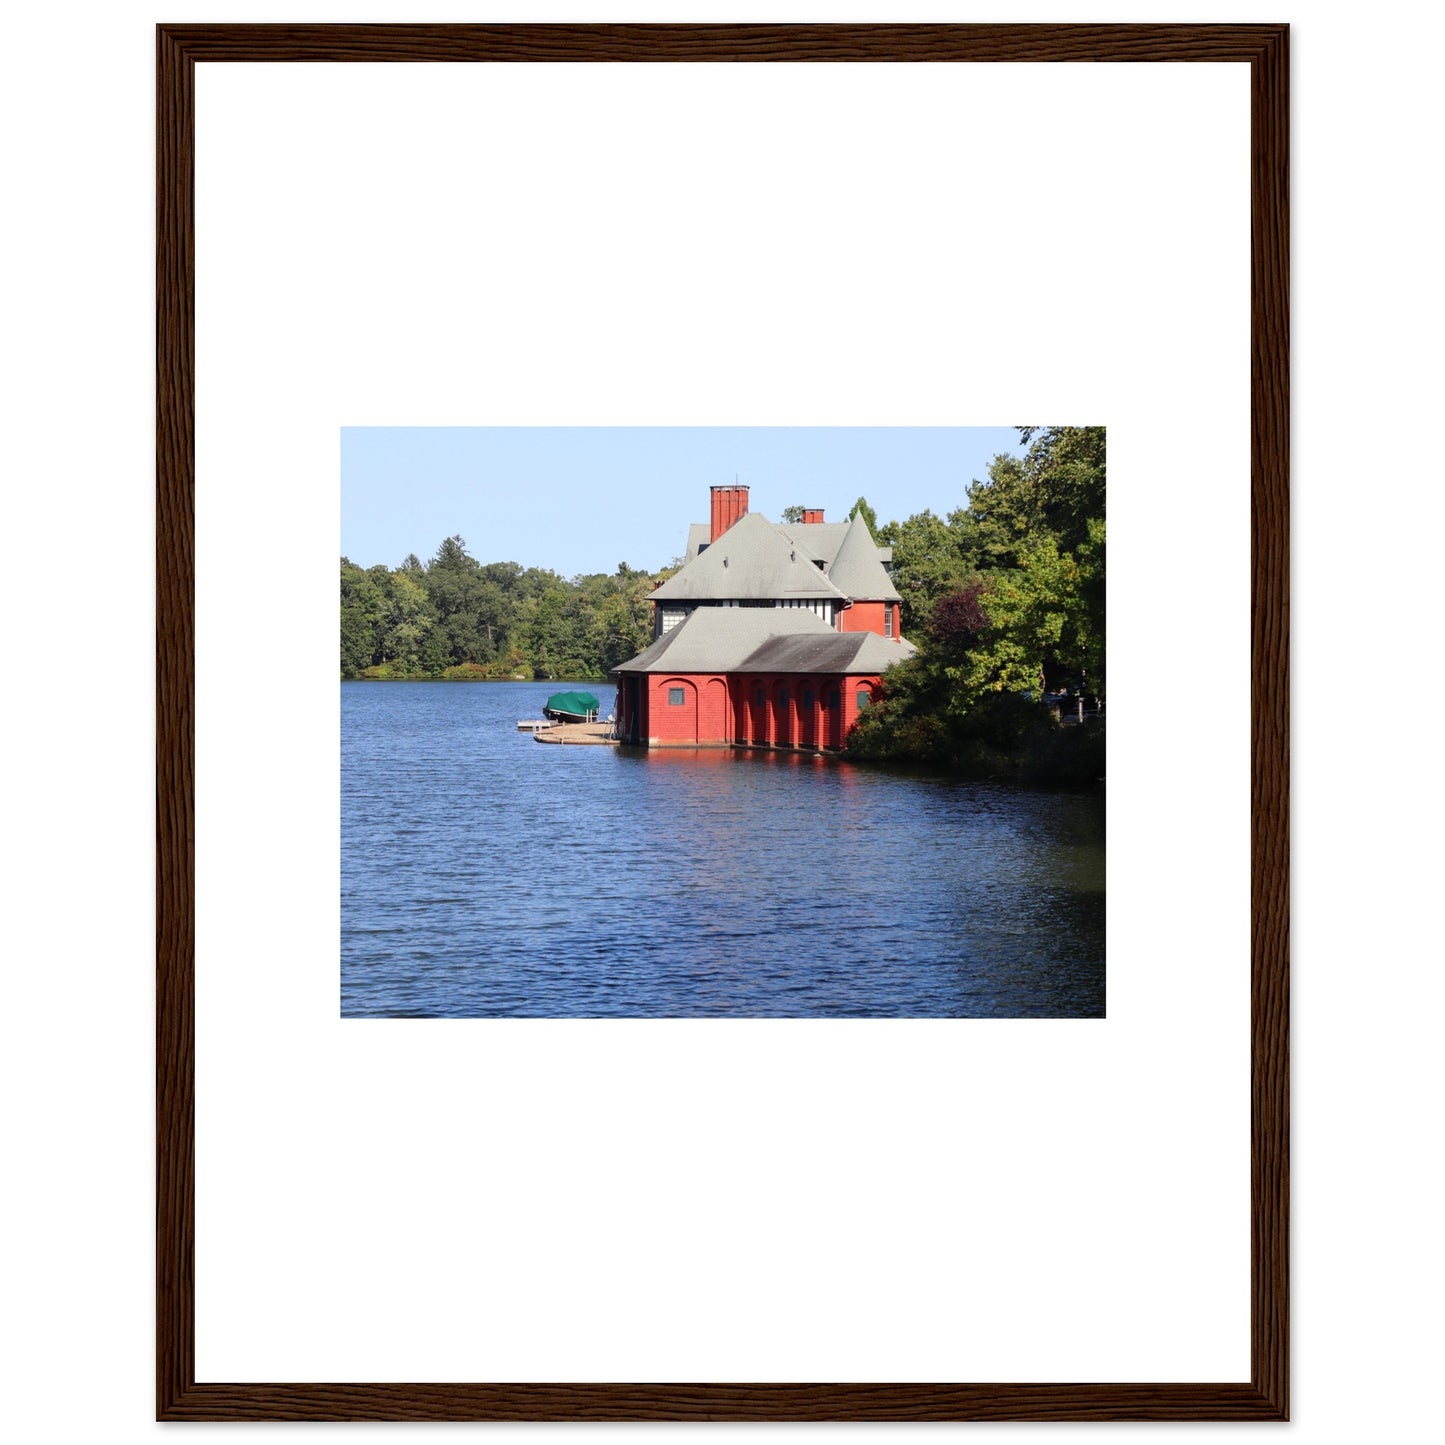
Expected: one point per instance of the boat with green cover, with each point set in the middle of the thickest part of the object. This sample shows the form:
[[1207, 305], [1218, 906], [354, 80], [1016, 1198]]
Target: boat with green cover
[[571, 707]]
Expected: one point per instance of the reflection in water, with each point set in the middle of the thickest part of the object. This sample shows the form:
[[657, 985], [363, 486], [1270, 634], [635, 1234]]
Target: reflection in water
[[484, 874]]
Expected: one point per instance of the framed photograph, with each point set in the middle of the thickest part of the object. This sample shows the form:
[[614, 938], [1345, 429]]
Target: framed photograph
[[679, 974]]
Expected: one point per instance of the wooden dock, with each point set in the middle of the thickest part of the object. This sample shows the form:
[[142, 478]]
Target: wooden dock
[[591, 734]]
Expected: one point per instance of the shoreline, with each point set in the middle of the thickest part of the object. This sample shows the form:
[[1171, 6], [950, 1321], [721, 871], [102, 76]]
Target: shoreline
[[546, 681]]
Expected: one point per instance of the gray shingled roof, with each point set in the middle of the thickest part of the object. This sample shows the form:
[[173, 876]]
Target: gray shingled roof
[[822, 539], [880, 653], [856, 569], [717, 639], [697, 538], [751, 560], [765, 639], [838, 652]]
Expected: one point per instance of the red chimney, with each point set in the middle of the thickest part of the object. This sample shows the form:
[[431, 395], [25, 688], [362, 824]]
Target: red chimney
[[812, 514], [728, 504]]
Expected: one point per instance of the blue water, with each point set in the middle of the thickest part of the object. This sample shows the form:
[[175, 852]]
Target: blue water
[[484, 874]]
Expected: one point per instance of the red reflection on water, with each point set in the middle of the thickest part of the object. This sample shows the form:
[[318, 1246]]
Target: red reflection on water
[[727, 757]]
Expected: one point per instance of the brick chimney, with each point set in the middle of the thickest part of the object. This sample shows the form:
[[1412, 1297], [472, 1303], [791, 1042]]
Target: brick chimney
[[812, 514], [728, 504]]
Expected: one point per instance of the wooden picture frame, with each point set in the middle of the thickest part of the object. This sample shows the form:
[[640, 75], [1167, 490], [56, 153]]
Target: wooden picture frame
[[179, 1396]]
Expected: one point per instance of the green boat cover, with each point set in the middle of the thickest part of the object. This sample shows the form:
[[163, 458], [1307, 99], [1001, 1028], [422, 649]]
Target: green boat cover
[[580, 703]]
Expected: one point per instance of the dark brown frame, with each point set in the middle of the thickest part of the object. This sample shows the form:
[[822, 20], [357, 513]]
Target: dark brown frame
[[179, 48]]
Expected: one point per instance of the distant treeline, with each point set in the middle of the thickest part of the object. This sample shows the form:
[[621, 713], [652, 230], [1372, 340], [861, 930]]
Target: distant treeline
[[455, 617]]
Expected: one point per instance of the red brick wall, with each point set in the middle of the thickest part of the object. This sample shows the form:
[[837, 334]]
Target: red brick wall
[[867, 617], [719, 711], [714, 715], [668, 725], [700, 721], [852, 686]]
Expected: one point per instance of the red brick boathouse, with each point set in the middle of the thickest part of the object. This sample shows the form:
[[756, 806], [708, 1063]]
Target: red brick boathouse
[[770, 635]]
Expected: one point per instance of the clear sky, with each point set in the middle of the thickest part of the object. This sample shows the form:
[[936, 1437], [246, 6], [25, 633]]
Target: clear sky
[[583, 499]]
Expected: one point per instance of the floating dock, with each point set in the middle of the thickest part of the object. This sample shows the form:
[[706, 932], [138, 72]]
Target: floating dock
[[533, 724], [588, 734]]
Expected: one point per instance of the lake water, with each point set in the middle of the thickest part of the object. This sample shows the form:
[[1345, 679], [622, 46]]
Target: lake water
[[484, 874]]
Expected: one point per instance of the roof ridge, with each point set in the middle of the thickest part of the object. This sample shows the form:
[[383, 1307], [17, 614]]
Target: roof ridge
[[752, 559]]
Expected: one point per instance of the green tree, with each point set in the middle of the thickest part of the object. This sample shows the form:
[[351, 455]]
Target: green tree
[[454, 585], [550, 635], [931, 558], [1005, 597], [621, 625], [1034, 616], [365, 613], [362, 609], [410, 620], [1056, 487]]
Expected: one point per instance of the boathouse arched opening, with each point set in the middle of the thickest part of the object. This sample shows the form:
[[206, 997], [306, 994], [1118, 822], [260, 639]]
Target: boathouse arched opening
[[714, 715], [832, 716], [674, 711], [784, 735]]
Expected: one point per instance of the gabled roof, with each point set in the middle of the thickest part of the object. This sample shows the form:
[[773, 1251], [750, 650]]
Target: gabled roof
[[751, 560], [718, 639], [822, 539], [765, 639], [856, 569]]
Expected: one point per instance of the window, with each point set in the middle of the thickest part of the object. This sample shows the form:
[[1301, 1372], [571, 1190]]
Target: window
[[808, 697], [830, 699], [675, 696], [888, 619], [864, 698], [758, 697], [783, 697]]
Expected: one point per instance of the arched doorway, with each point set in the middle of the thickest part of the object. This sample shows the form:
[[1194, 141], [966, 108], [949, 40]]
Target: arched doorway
[[784, 733], [832, 715], [675, 711], [808, 713], [715, 717]]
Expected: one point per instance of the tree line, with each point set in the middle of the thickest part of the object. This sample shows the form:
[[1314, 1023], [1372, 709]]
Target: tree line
[[1005, 599], [456, 617]]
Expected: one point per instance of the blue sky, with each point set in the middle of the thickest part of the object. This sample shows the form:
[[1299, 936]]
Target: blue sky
[[583, 499]]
